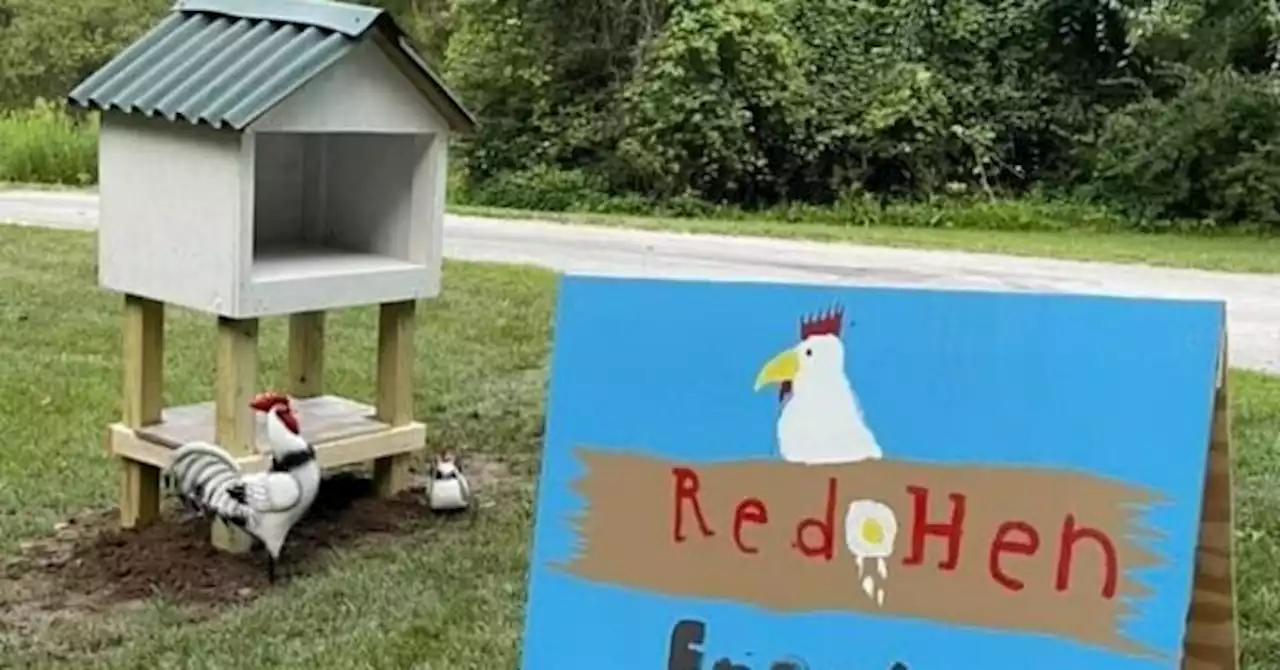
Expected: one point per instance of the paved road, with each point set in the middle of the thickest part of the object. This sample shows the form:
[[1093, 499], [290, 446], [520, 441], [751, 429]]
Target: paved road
[[1253, 300]]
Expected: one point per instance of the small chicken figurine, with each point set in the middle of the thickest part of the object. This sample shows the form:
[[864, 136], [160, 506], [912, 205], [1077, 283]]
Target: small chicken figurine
[[448, 490]]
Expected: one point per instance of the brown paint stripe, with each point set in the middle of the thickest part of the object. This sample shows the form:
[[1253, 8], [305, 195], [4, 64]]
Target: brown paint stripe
[[632, 544]]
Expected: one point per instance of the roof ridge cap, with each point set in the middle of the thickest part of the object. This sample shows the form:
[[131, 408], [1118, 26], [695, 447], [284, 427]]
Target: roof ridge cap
[[349, 19]]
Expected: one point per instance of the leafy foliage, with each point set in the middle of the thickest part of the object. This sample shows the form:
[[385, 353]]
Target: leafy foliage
[[709, 111], [1157, 106], [47, 47], [757, 103], [1210, 151]]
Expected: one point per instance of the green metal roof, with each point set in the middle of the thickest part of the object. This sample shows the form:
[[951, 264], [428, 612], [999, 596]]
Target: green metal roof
[[226, 62]]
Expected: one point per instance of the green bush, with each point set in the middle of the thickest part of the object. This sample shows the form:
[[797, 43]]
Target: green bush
[[541, 188], [1211, 153], [549, 189], [724, 141], [47, 144]]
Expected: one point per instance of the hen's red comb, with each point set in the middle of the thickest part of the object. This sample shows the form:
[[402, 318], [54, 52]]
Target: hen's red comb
[[828, 323]]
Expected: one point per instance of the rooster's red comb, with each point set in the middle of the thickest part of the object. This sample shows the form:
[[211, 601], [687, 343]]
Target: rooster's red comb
[[268, 399], [823, 323]]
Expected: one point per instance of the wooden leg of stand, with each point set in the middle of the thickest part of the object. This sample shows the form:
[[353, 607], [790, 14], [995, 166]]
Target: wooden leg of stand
[[142, 401], [306, 354], [139, 493], [235, 425], [395, 389]]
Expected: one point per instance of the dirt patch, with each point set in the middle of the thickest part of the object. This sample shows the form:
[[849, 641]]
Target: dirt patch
[[89, 565], [175, 559]]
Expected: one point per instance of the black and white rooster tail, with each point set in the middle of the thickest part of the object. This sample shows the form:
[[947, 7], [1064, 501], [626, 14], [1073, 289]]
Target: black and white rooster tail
[[207, 477]]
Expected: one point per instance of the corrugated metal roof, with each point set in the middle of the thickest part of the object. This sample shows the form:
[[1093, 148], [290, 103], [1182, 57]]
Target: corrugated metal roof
[[226, 62]]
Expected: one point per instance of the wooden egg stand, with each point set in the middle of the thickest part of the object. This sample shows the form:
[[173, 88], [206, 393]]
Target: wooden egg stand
[[308, 179], [343, 431]]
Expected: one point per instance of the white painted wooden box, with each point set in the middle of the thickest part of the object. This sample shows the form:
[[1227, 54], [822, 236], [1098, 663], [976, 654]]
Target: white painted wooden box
[[333, 196]]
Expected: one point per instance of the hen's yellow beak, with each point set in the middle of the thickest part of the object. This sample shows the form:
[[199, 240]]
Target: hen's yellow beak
[[782, 368]]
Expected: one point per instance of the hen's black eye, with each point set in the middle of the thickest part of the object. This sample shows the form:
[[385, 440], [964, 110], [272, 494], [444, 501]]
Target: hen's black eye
[[808, 352]]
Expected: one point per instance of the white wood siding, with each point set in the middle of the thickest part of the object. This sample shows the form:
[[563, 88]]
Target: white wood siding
[[170, 211], [363, 92]]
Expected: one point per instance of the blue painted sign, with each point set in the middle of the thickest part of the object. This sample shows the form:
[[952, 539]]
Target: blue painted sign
[[758, 476]]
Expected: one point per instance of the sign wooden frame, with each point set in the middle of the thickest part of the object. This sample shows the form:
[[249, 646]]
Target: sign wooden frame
[[1212, 638]]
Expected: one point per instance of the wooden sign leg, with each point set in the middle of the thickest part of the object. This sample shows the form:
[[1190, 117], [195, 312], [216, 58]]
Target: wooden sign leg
[[1212, 641], [236, 429], [395, 389], [142, 402], [306, 354]]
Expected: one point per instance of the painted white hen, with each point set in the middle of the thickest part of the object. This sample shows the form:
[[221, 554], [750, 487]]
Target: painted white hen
[[265, 504], [821, 419]]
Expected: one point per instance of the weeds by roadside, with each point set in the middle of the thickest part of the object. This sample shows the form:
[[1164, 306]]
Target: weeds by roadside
[[48, 144]]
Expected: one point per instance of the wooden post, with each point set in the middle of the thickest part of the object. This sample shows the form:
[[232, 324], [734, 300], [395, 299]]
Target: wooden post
[[142, 400], [236, 428], [395, 389], [306, 354], [1212, 638]]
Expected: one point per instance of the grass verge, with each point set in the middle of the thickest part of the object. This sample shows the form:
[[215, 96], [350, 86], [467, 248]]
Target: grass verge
[[451, 598], [1224, 252]]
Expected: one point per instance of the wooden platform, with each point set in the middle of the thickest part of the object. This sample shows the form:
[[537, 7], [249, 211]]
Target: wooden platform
[[343, 432]]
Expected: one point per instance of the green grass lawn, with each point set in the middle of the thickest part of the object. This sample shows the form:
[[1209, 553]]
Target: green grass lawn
[[453, 598], [448, 598], [1234, 253]]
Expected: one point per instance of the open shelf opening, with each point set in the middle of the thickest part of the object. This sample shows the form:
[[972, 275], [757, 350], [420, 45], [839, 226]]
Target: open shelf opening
[[330, 205]]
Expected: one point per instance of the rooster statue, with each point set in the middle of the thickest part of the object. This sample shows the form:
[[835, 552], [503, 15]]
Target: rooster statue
[[265, 504], [821, 420], [449, 489]]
